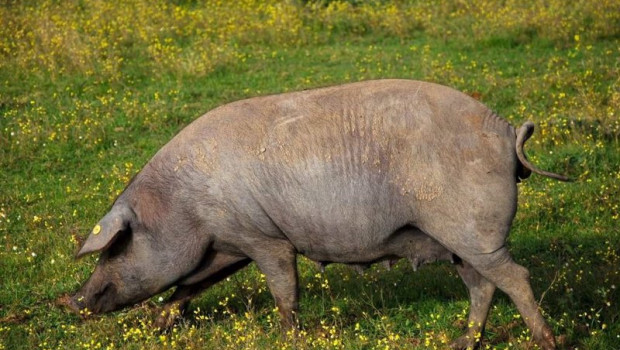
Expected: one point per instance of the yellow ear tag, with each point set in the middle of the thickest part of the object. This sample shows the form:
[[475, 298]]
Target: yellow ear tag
[[96, 229]]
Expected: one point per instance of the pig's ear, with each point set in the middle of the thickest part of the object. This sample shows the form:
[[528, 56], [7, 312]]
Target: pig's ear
[[107, 230]]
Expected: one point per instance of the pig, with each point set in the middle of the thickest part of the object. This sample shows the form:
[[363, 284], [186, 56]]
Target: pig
[[356, 174]]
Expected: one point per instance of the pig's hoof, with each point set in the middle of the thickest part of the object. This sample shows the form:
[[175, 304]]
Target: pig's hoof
[[167, 318], [546, 340], [464, 342]]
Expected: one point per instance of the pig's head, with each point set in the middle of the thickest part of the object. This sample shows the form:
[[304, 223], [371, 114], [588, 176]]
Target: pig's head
[[130, 268]]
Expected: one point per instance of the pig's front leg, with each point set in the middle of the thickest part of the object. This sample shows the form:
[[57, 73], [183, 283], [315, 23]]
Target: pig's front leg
[[277, 261], [215, 267]]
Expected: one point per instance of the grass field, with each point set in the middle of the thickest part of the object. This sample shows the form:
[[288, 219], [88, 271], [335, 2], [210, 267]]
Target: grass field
[[89, 90]]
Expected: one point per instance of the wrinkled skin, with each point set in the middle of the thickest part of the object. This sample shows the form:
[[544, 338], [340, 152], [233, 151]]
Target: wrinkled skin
[[354, 174]]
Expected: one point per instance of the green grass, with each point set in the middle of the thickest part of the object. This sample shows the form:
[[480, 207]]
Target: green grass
[[89, 92]]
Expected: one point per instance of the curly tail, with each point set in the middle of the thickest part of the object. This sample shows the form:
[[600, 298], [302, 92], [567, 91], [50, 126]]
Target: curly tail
[[526, 168]]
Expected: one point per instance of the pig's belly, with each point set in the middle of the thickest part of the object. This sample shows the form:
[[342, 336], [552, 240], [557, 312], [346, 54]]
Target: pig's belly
[[340, 211], [342, 225]]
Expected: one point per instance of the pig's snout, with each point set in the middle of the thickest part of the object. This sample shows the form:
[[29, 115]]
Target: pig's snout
[[89, 300], [73, 303]]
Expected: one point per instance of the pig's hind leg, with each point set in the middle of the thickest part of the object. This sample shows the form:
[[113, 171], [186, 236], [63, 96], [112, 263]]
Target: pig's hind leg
[[514, 279], [477, 234], [215, 267], [480, 294], [419, 248]]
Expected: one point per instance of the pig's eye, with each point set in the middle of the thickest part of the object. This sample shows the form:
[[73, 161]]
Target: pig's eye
[[120, 243]]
